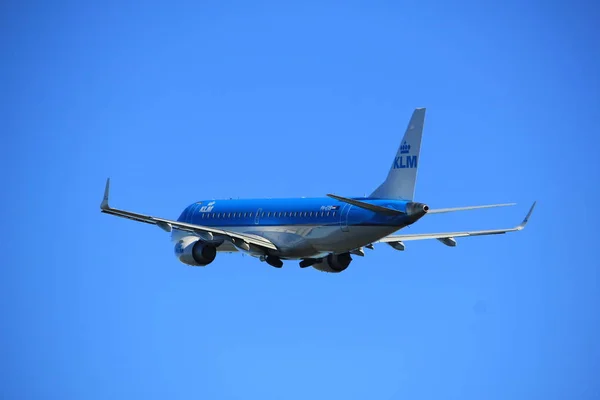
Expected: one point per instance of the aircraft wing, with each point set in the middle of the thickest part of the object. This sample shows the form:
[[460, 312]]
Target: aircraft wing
[[239, 239], [448, 237]]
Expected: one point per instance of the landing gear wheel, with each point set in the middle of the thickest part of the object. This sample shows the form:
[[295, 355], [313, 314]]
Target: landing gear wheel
[[274, 261], [307, 262]]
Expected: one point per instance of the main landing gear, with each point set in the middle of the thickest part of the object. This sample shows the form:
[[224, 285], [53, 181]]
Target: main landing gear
[[273, 261], [276, 262], [308, 262]]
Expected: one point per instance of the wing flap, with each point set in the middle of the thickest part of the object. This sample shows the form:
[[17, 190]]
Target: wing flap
[[182, 226]]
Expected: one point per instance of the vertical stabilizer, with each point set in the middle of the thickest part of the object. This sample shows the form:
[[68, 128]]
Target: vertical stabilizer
[[400, 182]]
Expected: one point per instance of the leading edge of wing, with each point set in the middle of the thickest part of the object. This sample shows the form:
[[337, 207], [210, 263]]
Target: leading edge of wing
[[453, 209], [443, 235], [168, 225]]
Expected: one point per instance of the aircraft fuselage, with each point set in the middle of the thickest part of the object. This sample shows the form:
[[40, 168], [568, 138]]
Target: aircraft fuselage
[[299, 227]]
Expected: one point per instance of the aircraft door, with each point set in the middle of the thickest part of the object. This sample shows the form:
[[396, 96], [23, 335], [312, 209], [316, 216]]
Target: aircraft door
[[192, 213], [257, 218], [344, 217], [184, 215]]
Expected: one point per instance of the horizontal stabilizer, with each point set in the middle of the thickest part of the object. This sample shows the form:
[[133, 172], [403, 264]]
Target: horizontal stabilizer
[[447, 210], [367, 206]]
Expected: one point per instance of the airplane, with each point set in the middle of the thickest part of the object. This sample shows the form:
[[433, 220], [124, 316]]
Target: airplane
[[322, 232]]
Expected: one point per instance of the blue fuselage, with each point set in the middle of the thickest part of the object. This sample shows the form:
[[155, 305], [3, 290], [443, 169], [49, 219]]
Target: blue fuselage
[[299, 227]]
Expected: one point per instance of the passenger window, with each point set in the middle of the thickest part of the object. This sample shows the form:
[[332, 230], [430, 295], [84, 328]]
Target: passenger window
[[328, 213], [310, 214], [279, 214], [263, 214], [245, 215], [269, 214], [334, 213], [229, 215], [250, 215], [285, 214]]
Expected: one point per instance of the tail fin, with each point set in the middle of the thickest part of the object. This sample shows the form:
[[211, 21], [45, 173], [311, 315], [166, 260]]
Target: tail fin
[[400, 182]]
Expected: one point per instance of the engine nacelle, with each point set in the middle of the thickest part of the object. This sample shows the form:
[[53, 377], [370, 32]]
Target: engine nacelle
[[191, 251], [334, 263]]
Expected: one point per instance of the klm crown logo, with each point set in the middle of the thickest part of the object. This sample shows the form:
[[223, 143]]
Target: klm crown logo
[[405, 148], [401, 161], [207, 208]]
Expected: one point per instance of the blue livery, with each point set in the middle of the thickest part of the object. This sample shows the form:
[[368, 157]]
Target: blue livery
[[323, 232]]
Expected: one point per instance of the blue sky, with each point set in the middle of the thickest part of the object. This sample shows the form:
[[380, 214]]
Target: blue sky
[[178, 102]]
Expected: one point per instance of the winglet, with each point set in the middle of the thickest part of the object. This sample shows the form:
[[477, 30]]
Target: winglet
[[104, 205], [526, 219]]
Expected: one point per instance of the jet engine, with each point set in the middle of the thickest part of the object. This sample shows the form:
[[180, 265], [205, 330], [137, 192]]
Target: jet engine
[[334, 263], [191, 251]]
